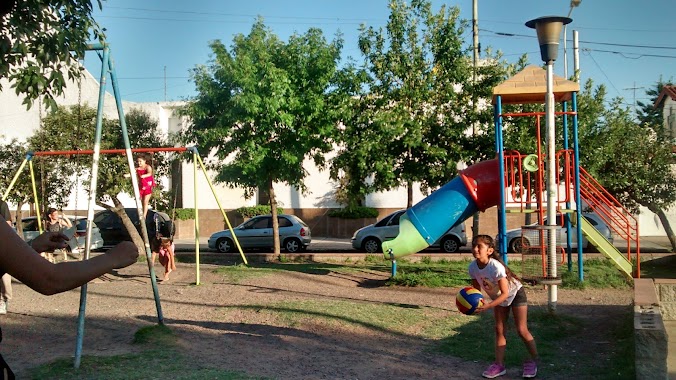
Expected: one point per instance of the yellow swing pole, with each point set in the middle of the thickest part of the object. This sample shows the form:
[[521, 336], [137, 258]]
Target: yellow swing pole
[[28, 160], [35, 196], [16, 177], [213, 191], [197, 221]]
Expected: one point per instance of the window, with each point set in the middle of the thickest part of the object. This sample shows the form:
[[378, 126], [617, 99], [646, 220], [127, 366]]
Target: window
[[261, 223], [283, 222]]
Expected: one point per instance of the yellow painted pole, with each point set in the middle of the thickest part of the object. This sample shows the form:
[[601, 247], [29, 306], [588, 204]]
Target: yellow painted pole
[[198, 159], [16, 177], [197, 221], [35, 196]]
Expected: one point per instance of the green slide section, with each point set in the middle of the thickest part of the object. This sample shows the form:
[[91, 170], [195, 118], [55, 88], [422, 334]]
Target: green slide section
[[408, 241], [605, 247]]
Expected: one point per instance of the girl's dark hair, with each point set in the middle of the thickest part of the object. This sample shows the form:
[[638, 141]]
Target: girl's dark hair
[[495, 255], [147, 157]]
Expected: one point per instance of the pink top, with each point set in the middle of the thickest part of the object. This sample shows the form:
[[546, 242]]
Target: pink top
[[146, 184], [166, 252]]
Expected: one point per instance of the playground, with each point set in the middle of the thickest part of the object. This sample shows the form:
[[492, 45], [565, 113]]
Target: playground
[[241, 322]]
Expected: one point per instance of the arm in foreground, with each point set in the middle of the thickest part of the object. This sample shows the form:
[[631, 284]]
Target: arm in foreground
[[25, 264]]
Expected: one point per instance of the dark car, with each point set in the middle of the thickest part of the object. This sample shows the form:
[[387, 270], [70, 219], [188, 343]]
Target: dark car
[[114, 232]]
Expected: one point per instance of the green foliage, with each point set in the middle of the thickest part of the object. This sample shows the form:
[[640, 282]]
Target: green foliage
[[264, 104], [251, 211], [36, 42], [410, 105], [356, 212], [73, 129], [185, 213]]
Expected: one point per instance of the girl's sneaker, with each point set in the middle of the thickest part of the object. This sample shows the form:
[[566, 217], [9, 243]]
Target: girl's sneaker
[[530, 369], [494, 370]]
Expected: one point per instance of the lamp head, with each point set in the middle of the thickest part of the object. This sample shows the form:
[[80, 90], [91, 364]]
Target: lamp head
[[548, 29]]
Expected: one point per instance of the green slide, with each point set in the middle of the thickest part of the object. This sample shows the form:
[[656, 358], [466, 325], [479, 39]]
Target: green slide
[[605, 247]]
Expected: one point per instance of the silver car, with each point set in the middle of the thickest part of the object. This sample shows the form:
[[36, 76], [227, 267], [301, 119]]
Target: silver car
[[294, 234], [371, 237], [520, 237], [75, 245]]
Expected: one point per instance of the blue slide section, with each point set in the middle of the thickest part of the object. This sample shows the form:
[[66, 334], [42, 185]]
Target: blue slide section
[[429, 219]]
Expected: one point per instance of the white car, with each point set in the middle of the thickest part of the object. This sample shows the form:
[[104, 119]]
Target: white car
[[75, 245], [519, 237], [294, 234], [370, 238]]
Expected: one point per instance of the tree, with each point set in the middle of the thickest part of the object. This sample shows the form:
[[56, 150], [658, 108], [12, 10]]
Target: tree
[[419, 104], [634, 166], [650, 116], [12, 155], [262, 109], [73, 129], [38, 39]]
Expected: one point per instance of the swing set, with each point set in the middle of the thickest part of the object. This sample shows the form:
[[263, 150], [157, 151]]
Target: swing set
[[107, 67]]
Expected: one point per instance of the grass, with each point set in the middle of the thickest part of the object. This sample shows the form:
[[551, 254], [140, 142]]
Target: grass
[[448, 332], [160, 358]]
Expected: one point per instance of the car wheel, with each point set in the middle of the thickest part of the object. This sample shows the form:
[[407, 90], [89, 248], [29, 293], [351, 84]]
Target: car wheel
[[516, 245], [224, 245], [450, 245], [292, 245], [372, 245]]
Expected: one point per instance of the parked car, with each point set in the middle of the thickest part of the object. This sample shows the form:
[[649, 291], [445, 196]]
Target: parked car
[[113, 232], [76, 245], [294, 234], [371, 237], [519, 237]]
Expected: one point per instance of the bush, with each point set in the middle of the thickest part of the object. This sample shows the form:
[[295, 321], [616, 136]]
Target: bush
[[185, 213], [251, 211], [354, 212]]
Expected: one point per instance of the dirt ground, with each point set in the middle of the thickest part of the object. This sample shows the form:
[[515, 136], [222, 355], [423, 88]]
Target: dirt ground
[[39, 329]]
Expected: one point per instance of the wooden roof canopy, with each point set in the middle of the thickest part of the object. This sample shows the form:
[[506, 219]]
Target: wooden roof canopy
[[530, 86]]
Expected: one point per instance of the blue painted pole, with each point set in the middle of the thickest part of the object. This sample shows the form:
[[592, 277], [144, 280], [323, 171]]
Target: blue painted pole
[[92, 192], [137, 196], [566, 216], [502, 213], [578, 197]]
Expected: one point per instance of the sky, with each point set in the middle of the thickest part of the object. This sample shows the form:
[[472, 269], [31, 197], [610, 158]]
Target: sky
[[624, 45]]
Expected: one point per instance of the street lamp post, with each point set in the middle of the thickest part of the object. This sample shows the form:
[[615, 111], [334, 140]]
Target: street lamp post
[[549, 33], [573, 4]]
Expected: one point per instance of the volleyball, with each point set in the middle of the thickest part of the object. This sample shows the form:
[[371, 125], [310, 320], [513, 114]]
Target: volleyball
[[468, 300]]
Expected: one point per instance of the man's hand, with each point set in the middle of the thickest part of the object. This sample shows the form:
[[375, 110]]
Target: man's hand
[[124, 254], [49, 241]]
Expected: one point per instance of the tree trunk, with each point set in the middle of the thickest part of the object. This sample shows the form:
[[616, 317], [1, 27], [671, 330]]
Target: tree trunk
[[409, 199], [665, 223], [17, 219], [275, 222], [127, 223]]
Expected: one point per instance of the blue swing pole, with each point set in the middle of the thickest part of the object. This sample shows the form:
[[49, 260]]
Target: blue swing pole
[[92, 192]]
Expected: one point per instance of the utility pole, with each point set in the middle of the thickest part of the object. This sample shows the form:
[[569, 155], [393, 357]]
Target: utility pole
[[634, 89], [475, 43], [576, 56], [165, 83]]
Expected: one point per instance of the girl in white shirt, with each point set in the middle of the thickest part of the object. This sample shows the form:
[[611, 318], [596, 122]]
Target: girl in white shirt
[[490, 274]]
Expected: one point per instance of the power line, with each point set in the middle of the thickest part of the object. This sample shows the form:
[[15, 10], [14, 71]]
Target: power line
[[507, 34], [604, 73]]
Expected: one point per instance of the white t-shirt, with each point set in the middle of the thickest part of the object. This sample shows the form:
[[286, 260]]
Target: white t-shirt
[[489, 276]]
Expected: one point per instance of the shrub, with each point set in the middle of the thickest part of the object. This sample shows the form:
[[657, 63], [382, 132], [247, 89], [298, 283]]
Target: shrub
[[357, 212], [251, 211], [185, 213]]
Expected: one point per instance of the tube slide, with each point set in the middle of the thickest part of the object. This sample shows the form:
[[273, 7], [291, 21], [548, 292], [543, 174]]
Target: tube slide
[[477, 188]]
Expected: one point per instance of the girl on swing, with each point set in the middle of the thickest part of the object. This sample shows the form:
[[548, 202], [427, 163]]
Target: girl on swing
[[146, 181]]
